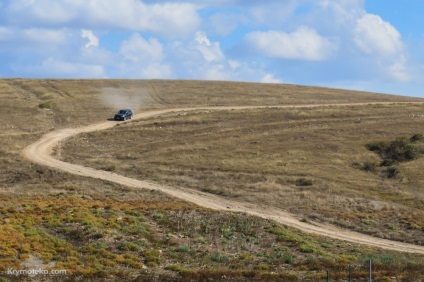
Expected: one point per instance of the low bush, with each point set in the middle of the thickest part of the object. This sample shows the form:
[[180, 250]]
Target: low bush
[[416, 137], [152, 257], [377, 146], [45, 105], [402, 149], [128, 246], [391, 172], [304, 182], [183, 249], [217, 257], [369, 166]]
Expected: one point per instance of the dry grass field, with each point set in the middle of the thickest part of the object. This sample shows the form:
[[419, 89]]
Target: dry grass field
[[307, 161], [99, 230]]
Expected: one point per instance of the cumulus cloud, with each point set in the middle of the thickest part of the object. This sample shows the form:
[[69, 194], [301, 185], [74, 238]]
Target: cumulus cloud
[[270, 78], [143, 58], [63, 69], [399, 70], [34, 43], [224, 24], [31, 36], [302, 44], [210, 51], [301, 41], [375, 36], [93, 40], [168, 19], [156, 70], [378, 38], [136, 48]]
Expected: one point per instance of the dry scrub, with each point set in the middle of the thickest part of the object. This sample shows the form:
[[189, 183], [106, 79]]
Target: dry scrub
[[99, 237], [302, 160], [96, 229]]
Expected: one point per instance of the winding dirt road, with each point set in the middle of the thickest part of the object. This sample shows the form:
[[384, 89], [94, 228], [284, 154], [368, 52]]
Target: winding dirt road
[[40, 152]]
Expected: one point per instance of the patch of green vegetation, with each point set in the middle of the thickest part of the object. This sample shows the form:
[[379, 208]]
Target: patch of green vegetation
[[109, 167], [183, 249], [304, 182], [45, 105], [217, 257], [128, 246], [53, 229], [416, 137], [152, 257], [402, 149]]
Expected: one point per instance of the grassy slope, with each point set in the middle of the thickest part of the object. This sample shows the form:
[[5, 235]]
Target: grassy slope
[[262, 154], [95, 228]]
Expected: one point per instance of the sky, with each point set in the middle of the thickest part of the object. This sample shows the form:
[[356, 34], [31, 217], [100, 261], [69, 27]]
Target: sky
[[372, 45]]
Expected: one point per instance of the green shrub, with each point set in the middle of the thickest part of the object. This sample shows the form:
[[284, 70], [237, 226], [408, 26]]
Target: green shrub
[[200, 240], [128, 246], [174, 267], [307, 248], [304, 182], [416, 137], [109, 167], [369, 166], [183, 249], [45, 105], [400, 150], [391, 172], [377, 146], [289, 259], [217, 257], [185, 272], [152, 257]]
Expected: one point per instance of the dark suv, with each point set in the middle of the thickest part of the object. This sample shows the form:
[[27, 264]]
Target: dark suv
[[123, 114]]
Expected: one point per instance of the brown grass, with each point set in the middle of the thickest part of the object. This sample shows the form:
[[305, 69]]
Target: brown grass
[[96, 229], [264, 155]]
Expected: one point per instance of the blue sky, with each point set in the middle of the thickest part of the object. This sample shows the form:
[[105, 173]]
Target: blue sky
[[374, 45]]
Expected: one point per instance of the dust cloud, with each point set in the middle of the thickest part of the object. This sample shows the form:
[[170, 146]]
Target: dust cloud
[[116, 98]]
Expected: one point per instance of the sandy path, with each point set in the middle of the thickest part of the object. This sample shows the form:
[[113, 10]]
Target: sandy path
[[40, 152]]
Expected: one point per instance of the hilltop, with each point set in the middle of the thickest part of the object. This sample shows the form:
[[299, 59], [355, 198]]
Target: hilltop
[[309, 161]]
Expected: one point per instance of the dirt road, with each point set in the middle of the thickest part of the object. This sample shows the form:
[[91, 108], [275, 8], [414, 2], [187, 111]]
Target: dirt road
[[40, 152]]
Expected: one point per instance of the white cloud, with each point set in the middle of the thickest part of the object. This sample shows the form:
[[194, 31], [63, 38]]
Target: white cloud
[[6, 33], [142, 58], [168, 19], [93, 40], [224, 24], [399, 70], [378, 38], [34, 40], [274, 12], [210, 51], [375, 36], [331, 40], [269, 78], [342, 10], [234, 64], [156, 70], [57, 68], [139, 49], [303, 44], [215, 72]]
